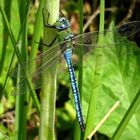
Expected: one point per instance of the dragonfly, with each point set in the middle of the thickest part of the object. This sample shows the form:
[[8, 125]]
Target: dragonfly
[[68, 43]]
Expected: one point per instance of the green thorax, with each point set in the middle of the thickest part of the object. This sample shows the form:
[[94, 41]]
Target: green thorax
[[64, 32], [62, 35]]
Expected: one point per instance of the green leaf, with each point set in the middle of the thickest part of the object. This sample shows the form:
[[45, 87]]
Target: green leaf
[[4, 133], [120, 80]]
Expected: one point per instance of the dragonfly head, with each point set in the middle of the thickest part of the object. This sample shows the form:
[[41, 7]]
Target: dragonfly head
[[62, 24]]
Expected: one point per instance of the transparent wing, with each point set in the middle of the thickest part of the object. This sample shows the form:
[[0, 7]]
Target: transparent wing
[[50, 56], [110, 53], [85, 43], [91, 38], [115, 40]]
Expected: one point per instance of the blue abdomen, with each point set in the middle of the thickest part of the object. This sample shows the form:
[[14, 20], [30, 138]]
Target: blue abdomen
[[68, 58]]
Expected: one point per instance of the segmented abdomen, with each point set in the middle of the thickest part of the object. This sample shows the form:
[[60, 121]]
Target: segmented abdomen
[[68, 58]]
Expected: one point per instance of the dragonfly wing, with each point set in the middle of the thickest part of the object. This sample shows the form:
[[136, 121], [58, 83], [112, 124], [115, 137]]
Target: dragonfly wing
[[50, 57], [87, 41], [127, 30], [114, 45], [112, 40]]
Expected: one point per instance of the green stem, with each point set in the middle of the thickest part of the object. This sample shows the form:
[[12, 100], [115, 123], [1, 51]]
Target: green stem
[[102, 15], [16, 50], [38, 29], [97, 78], [7, 7], [22, 99], [127, 117], [48, 95], [36, 35], [77, 131]]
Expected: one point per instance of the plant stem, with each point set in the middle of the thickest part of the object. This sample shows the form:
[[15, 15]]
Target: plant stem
[[77, 131], [7, 7], [16, 50], [97, 78], [48, 95], [127, 117], [38, 29], [22, 99], [37, 34]]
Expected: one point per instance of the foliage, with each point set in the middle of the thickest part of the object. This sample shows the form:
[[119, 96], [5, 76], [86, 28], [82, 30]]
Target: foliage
[[120, 76]]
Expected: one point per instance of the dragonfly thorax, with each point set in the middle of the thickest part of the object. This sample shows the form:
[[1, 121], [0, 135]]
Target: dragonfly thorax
[[64, 34], [69, 37], [62, 24]]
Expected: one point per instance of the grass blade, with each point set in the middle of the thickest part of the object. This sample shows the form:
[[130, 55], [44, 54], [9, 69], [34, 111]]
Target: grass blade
[[127, 117], [77, 131], [97, 79]]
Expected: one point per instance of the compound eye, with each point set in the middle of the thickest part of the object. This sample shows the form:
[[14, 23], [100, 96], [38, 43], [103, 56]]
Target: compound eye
[[63, 25], [62, 19]]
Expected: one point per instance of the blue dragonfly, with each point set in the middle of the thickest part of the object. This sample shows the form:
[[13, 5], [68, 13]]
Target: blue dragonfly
[[68, 43]]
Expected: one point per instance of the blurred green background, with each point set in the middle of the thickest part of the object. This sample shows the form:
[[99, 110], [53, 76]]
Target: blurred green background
[[120, 78]]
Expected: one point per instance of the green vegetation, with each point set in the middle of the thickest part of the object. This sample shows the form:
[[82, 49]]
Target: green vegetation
[[109, 75]]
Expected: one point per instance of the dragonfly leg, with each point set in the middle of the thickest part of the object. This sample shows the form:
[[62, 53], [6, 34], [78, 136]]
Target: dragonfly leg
[[49, 45], [61, 13], [46, 24], [52, 41]]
